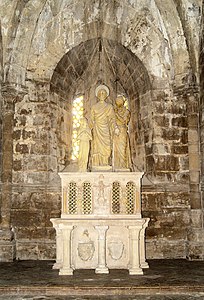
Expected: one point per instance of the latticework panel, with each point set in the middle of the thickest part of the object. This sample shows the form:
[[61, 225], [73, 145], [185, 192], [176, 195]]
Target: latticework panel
[[87, 199], [72, 198], [116, 197], [130, 197]]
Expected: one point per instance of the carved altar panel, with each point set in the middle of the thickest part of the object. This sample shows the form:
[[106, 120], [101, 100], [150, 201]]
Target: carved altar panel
[[101, 226], [117, 247], [84, 247], [107, 193]]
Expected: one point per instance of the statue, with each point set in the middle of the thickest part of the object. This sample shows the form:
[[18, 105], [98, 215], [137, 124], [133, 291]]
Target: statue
[[104, 127], [122, 158], [84, 137]]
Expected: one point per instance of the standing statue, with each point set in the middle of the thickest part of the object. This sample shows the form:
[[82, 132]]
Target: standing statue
[[104, 126], [84, 137], [122, 157]]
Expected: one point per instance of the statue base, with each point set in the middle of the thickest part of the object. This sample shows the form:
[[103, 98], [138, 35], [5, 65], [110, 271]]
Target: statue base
[[101, 168]]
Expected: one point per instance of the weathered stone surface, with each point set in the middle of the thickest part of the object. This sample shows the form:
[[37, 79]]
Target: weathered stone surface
[[49, 53], [169, 249]]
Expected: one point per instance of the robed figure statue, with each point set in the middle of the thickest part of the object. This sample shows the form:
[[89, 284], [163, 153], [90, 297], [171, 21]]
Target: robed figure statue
[[104, 127], [121, 144]]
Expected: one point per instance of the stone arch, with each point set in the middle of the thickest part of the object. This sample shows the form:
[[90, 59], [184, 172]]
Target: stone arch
[[138, 27], [107, 61]]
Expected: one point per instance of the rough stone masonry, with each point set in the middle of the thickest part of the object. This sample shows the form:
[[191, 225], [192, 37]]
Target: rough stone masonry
[[51, 51]]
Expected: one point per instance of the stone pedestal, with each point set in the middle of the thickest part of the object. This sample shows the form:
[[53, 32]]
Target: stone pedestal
[[101, 226]]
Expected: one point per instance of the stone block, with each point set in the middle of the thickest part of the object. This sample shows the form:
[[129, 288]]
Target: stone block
[[196, 218], [179, 149], [35, 163], [193, 135], [162, 121], [7, 251], [160, 249], [20, 121], [41, 108], [166, 233], [26, 217], [40, 147], [159, 107], [163, 177], [194, 176], [17, 165], [21, 200], [196, 235], [182, 177], [161, 149], [168, 218], [176, 108], [36, 177], [195, 251], [28, 134], [7, 245], [51, 201], [26, 250], [18, 177], [166, 163], [47, 251], [181, 121], [17, 134], [193, 121], [194, 187], [184, 137], [194, 161], [195, 199], [22, 148], [193, 148], [171, 134], [38, 234], [163, 200], [184, 163]]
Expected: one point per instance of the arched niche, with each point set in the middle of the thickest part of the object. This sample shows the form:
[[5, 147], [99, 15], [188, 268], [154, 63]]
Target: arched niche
[[104, 61]]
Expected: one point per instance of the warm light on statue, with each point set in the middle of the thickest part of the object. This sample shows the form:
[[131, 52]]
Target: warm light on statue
[[103, 128]]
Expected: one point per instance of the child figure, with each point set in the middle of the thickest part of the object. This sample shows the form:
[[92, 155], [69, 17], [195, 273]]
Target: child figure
[[84, 137]]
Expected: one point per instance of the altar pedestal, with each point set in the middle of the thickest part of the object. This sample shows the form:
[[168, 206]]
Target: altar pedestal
[[101, 226]]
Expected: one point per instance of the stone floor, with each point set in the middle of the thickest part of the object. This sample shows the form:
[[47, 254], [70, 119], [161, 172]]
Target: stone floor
[[164, 280]]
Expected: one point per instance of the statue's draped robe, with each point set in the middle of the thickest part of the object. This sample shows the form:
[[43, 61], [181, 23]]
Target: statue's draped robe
[[122, 158], [103, 120], [84, 136]]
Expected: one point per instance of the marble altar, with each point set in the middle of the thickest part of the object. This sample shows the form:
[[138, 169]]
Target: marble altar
[[101, 226]]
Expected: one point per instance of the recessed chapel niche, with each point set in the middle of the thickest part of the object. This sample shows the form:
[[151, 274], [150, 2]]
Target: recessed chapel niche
[[102, 61]]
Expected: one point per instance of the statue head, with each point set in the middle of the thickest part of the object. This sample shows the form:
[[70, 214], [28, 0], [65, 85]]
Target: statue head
[[102, 92], [120, 100]]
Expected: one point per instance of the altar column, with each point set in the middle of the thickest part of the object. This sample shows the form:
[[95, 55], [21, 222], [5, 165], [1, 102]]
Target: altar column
[[59, 248], [66, 236], [101, 268], [143, 263], [134, 242]]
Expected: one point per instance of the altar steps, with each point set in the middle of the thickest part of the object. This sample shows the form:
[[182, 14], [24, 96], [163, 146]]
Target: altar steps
[[164, 280]]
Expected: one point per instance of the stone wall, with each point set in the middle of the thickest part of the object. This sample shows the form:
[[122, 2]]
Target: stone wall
[[55, 50]]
